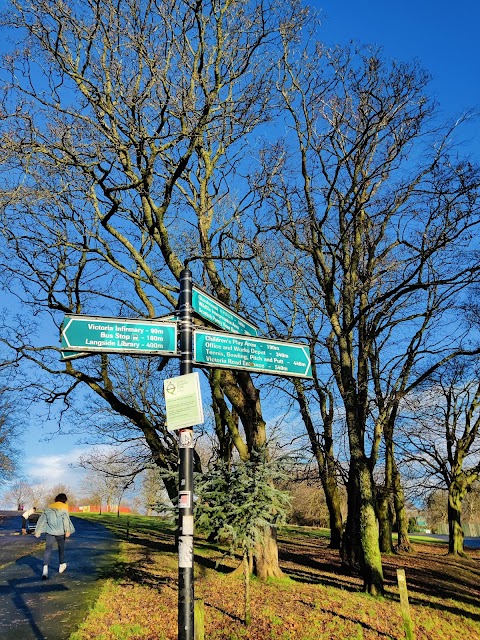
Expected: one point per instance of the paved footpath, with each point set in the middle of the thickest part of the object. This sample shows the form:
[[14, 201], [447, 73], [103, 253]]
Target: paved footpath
[[36, 609]]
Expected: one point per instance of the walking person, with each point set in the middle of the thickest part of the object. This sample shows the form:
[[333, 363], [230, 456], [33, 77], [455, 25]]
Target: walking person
[[57, 526], [25, 515]]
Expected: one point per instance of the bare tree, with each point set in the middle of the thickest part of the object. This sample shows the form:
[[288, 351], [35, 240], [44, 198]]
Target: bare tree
[[41, 493], [152, 492], [124, 128], [18, 493], [441, 441], [110, 474], [322, 445], [9, 436], [277, 281], [137, 387], [381, 213], [61, 487]]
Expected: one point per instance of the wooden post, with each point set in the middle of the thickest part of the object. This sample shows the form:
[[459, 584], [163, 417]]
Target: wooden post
[[407, 620], [199, 619], [246, 575]]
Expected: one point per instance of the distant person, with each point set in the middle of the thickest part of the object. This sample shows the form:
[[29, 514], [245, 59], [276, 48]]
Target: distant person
[[56, 524], [25, 515]]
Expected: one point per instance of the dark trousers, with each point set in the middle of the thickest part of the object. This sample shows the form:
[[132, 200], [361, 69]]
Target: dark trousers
[[24, 523], [49, 548]]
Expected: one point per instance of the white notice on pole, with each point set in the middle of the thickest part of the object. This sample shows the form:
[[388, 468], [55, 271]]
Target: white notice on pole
[[183, 401], [185, 551]]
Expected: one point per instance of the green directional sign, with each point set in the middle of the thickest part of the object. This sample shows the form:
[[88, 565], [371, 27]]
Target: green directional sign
[[73, 355], [217, 313], [258, 355], [90, 334]]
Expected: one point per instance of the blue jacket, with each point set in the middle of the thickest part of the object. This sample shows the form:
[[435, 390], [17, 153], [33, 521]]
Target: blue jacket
[[55, 521]]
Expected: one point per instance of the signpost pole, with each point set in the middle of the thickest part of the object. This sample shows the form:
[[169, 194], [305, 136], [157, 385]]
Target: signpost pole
[[185, 489]]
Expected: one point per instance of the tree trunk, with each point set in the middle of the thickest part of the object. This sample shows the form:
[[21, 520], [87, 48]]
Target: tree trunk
[[360, 548], [384, 514], [325, 458], [335, 514], [394, 484], [403, 544], [372, 571], [266, 556], [351, 548], [384, 510], [455, 530]]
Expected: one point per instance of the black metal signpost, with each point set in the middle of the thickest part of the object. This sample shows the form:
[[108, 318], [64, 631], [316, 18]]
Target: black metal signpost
[[185, 493]]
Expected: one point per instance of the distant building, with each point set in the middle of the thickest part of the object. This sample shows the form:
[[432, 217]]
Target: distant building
[[96, 508], [421, 524]]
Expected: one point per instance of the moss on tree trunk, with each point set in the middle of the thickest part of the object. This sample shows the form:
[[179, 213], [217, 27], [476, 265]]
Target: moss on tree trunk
[[360, 546], [455, 530], [384, 514]]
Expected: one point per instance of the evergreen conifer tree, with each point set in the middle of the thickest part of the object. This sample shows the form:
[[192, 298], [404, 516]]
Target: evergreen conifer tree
[[237, 501]]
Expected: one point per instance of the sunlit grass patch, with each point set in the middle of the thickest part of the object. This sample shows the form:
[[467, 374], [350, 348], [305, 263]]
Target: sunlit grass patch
[[305, 532], [321, 603], [127, 612]]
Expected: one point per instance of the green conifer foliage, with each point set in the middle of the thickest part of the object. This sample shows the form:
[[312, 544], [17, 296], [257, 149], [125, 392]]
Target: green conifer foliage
[[237, 501]]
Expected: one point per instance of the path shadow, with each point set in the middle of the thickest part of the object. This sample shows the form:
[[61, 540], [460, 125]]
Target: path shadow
[[36, 564], [19, 589]]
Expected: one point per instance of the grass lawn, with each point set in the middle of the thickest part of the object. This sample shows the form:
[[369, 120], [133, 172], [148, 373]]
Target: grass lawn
[[315, 600]]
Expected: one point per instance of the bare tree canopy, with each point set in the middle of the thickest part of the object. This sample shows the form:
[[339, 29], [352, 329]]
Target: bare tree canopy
[[10, 430], [382, 215], [440, 441], [124, 129], [310, 188]]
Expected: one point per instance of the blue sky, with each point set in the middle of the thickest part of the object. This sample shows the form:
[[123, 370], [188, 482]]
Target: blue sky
[[442, 36]]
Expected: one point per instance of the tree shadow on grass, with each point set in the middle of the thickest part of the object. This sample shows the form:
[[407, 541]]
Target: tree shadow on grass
[[360, 623], [326, 581], [429, 576], [455, 582], [213, 564], [457, 611], [230, 615], [430, 586], [163, 545], [303, 564]]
